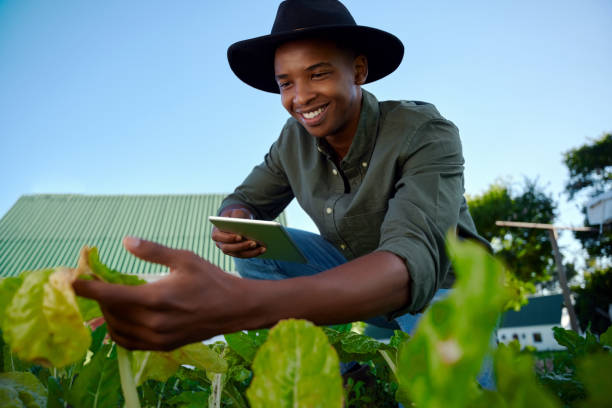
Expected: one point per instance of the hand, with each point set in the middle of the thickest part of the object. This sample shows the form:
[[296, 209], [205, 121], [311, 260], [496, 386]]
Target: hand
[[195, 302], [234, 244]]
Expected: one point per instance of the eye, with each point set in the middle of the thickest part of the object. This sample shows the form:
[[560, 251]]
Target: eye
[[318, 75], [284, 84]]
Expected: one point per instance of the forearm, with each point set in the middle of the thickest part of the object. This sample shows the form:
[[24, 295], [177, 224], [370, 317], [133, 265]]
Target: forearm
[[366, 287]]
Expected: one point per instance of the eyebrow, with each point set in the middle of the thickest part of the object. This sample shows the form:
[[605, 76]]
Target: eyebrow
[[310, 68]]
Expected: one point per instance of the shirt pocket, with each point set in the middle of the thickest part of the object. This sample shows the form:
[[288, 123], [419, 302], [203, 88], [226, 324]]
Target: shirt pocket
[[362, 231]]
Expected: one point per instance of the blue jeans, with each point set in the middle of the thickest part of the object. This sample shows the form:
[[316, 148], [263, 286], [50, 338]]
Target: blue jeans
[[322, 256]]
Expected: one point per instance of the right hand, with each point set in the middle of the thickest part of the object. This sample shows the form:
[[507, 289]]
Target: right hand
[[234, 244]]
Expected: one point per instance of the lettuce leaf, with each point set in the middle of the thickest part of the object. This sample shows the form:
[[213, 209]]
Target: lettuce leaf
[[19, 389], [42, 323], [296, 367]]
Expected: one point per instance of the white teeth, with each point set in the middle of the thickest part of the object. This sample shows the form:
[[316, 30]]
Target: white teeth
[[310, 115]]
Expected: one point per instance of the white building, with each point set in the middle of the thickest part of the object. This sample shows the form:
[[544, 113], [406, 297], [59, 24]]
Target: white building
[[532, 325]]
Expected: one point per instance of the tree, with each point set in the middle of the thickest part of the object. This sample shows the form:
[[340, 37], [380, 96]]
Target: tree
[[593, 300], [527, 252], [590, 168]]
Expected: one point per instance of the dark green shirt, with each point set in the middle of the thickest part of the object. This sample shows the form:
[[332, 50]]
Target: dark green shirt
[[398, 189]]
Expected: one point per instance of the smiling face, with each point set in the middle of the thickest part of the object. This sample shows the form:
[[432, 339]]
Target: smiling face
[[320, 87]]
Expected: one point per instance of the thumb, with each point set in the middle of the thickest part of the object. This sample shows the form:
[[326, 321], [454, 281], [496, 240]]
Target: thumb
[[151, 251]]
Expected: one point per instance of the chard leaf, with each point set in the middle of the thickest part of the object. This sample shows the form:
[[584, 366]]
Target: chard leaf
[[189, 399], [55, 394], [19, 389], [43, 323], [296, 367], [439, 365], [159, 365], [246, 344], [98, 384], [595, 372]]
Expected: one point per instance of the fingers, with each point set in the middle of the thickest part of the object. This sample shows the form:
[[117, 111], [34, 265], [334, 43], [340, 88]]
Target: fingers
[[242, 250], [225, 237], [153, 252], [110, 294]]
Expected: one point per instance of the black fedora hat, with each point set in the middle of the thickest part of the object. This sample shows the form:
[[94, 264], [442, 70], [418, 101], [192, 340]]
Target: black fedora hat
[[253, 60]]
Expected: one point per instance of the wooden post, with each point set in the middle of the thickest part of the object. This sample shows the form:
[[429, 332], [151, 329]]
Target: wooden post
[[563, 281], [552, 229]]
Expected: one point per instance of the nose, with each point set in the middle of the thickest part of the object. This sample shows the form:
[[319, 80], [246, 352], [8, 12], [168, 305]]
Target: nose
[[303, 93]]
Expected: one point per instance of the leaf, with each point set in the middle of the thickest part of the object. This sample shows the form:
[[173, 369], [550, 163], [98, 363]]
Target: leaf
[[189, 399], [595, 372], [55, 394], [516, 381], [159, 365], [19, 389], [242, 344], [8, 288], [606, 338], [439, 365], [43, 323], [296, 367], [98, 383], [90, 264]]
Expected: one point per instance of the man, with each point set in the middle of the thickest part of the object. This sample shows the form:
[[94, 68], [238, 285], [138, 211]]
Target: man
[[382, 181]]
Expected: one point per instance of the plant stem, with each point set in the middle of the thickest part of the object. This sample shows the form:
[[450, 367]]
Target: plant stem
[[128, 386]]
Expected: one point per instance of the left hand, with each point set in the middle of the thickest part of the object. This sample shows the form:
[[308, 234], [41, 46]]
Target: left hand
[[195, 302]]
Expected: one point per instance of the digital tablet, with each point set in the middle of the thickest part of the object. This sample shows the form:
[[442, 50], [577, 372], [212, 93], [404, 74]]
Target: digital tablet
[[271, 234]]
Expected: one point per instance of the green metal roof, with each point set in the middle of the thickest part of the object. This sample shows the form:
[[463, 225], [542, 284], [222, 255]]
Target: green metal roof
[[539, 311], [42, 231]]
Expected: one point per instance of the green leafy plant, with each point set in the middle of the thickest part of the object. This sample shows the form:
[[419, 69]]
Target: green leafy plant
[[296, 363]]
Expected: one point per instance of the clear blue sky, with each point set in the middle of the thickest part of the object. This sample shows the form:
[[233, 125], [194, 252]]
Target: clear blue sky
[[130, 97]]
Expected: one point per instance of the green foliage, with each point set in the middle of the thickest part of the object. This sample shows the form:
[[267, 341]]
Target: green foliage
[[246, 344], [296, 367], [593, 298], [97, 384], [517, 386], [296, 363], [42, 322], [595, 372], [590, 166], [19, 389], [437, 367], [529, 251]]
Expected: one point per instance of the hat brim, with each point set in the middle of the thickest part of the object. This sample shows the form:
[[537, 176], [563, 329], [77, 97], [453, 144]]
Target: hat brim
[[252, 60]]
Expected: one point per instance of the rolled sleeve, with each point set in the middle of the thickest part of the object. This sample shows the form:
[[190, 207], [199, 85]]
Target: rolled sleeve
[[425, 206]]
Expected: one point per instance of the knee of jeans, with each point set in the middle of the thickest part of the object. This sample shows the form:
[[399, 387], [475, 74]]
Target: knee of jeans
[[257, 268]]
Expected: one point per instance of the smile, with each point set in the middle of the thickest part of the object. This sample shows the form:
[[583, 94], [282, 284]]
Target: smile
[[314, 115]]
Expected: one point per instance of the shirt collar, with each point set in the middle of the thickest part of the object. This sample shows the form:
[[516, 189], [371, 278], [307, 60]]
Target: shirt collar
[[365, 137]]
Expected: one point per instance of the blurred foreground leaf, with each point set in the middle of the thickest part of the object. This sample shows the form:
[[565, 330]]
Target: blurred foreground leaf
[[437, 368]]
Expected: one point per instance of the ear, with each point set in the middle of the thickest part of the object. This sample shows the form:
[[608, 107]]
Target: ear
[[360, 66]]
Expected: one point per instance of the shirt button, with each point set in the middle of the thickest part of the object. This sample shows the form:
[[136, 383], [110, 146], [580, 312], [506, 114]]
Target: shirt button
[[342, 246], [335, 172], [328, 210], [364, 164]]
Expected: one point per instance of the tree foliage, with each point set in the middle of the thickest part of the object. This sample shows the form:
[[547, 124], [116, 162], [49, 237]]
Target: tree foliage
[[593, 300], [590, 167], [527, 251]]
